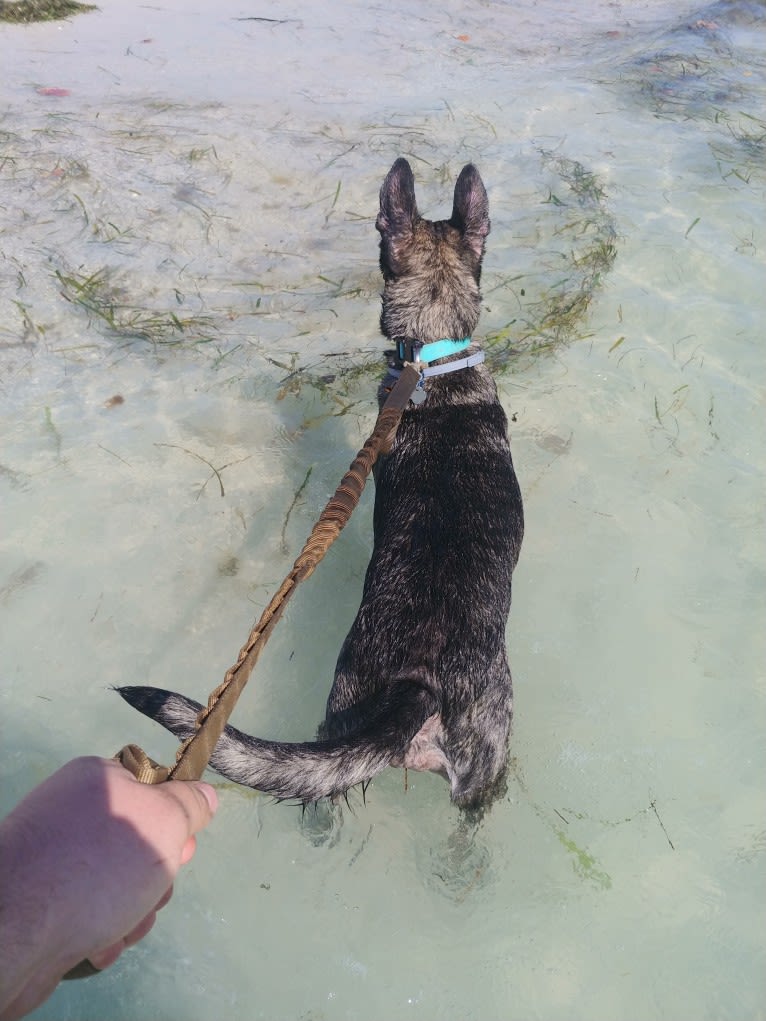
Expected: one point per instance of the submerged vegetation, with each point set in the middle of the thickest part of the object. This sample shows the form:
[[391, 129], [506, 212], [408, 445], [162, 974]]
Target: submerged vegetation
[[741, 152], [177, 243], [24, 12], [704, 70], [273, 278], [585, 233], [110, 309]]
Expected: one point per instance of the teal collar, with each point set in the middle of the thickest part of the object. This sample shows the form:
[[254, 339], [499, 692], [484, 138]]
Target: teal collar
[[421, 354], [414, 351]]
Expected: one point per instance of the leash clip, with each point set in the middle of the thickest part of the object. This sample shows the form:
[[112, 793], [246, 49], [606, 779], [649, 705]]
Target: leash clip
[[419, 394]]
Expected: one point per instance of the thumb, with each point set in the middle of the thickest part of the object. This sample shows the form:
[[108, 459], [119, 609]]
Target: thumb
[[198, 800]]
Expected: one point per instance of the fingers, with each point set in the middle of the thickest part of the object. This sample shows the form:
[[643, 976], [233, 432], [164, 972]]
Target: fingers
[[187, 852], [161, 904], [105, 958], [144, 926]]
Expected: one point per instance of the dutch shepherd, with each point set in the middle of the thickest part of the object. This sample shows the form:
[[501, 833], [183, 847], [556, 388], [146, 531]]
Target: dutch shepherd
[[422, 680]]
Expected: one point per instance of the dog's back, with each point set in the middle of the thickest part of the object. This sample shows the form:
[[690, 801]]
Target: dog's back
[[422, 679], [448, 512]]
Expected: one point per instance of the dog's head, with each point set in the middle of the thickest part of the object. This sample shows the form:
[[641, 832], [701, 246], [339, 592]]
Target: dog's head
[[431, 269]]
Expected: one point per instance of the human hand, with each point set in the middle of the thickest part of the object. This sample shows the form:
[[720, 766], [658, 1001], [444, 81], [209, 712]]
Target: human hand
[[87, 859]]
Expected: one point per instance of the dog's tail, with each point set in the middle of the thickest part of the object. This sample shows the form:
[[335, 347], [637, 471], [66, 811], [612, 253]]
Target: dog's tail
[[305, 771]]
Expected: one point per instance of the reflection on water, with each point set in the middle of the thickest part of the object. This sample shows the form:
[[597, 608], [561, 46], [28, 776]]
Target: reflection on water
[[188, 362]]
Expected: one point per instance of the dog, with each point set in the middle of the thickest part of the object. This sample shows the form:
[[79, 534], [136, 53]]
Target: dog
[[422, 680]]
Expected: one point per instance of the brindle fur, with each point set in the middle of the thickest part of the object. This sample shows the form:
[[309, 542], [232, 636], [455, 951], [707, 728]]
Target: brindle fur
[[422, 679]]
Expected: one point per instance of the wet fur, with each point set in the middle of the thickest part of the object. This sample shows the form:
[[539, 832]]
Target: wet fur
[[422, 679]]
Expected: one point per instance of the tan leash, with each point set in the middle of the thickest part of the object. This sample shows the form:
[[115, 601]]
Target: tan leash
[[194, 753]]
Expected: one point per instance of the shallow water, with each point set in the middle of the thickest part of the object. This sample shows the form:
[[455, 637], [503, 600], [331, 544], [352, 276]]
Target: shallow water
[[191, 230]]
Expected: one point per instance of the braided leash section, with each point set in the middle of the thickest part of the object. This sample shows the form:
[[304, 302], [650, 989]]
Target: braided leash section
[[194, 753]]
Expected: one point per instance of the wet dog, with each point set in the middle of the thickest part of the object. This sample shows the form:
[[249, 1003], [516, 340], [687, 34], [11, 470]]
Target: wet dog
[[422, 680]]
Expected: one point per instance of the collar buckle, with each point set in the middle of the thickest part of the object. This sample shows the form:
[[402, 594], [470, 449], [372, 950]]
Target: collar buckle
[[414, 353]]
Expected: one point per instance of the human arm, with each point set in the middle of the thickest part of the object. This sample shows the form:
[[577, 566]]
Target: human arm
[[86, 861]]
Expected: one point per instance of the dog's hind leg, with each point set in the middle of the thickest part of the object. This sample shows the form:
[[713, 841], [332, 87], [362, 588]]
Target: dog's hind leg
[[322, 821], [461, 865]]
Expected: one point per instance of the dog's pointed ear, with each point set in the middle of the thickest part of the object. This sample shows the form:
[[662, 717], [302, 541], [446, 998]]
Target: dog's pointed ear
[[470, 212], [398, 208]]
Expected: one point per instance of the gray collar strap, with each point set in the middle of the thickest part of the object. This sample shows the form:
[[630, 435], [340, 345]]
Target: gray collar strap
[[419, 394], [439, 370]]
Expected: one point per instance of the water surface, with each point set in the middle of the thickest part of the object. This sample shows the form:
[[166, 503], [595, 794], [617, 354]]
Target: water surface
[[188, 339]]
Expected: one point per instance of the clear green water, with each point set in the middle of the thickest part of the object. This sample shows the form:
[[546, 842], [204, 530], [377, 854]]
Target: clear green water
[[192, 228]]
